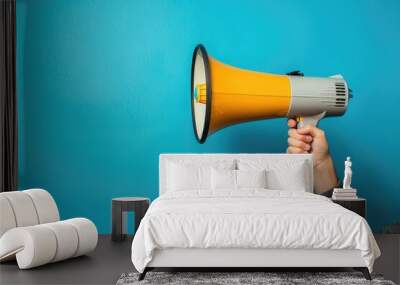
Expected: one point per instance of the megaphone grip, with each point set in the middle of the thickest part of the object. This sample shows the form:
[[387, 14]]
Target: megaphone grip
[[309, 120]]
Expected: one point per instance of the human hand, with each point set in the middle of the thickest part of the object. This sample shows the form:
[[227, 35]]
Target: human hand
[[310, 139]]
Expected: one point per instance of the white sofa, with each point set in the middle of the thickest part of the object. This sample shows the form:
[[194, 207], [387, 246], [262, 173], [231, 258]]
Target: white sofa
[[31, 231]]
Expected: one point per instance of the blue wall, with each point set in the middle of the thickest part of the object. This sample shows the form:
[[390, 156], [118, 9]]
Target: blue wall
[[104, 88]]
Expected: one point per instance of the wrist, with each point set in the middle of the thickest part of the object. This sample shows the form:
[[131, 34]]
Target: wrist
[[325, 177], [323, 160]]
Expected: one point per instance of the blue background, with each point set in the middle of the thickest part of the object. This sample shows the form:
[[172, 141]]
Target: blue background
[[104, 88]]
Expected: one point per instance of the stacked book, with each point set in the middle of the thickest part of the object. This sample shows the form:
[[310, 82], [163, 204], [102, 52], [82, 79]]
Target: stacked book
[[344, 194]]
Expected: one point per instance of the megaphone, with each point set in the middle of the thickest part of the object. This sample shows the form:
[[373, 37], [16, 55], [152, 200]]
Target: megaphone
[[223, 95]]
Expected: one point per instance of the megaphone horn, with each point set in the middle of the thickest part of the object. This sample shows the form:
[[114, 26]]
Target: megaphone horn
[[223, 95]]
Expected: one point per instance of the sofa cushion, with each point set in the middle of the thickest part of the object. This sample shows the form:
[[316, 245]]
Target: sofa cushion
[[46, 207], [7, 220], [23, 208]]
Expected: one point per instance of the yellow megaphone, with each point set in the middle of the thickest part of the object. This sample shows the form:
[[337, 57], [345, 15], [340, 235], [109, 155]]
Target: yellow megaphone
[[223, 95]]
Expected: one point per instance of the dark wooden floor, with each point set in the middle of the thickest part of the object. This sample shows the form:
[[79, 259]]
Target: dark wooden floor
[[389, 263], [103, 266], [111, 259]]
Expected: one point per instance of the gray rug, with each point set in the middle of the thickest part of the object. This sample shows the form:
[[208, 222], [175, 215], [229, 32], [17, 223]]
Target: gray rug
[[269, 278]]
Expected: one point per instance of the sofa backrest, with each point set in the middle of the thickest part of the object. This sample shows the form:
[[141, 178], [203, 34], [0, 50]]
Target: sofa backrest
[[26, 208], [165, 160]]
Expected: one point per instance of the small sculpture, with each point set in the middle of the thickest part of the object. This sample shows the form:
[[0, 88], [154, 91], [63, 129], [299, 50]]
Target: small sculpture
[[348, 173]]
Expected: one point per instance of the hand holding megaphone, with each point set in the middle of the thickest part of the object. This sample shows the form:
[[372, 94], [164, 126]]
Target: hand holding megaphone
[[307, 139], [311, 139]]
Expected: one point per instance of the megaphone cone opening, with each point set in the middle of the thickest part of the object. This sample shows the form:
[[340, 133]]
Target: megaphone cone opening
[[201, 69]]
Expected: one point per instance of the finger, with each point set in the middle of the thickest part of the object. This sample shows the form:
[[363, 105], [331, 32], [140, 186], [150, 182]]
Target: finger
[[299, 144], [294, 134], [311, 130], [292, 123], [295, 150]]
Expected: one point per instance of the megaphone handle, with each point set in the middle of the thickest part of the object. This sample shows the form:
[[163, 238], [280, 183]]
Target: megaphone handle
[[309, 120]]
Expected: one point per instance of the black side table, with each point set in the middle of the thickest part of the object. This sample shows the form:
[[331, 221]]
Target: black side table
[[355, 205], [120, 207]]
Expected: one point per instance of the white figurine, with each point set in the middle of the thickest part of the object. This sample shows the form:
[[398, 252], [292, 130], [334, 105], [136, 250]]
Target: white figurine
[[348, 173]]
